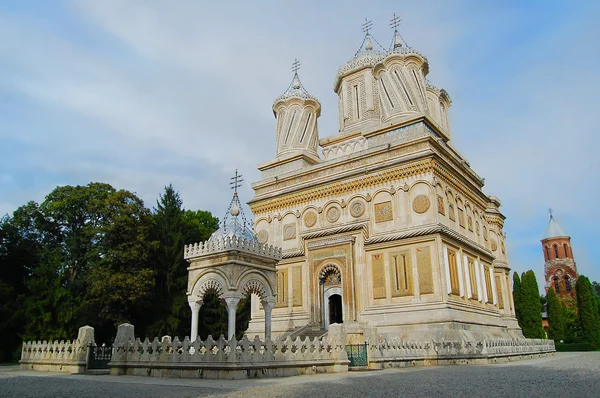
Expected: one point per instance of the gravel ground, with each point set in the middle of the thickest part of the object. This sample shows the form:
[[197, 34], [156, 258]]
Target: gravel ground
[[565, 375]]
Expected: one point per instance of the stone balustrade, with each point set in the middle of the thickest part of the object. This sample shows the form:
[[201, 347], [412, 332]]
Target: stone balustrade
[[409, 353], [58, 356], [224, 359], [231, 243]]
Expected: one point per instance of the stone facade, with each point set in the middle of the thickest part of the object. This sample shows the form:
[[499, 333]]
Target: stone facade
[[390, 228]]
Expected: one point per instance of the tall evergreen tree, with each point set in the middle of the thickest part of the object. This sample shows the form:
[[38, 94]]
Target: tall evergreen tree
[[517, 296], [531, 316], [556, 321], [588, 311]]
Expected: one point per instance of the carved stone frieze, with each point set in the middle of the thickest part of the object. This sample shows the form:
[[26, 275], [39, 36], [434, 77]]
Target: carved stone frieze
[[441, 209]]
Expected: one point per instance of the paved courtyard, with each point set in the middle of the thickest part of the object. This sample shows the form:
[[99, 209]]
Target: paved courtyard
[[564, 375]]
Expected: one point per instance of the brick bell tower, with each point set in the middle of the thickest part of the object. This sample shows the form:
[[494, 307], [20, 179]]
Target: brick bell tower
[[560, 268]]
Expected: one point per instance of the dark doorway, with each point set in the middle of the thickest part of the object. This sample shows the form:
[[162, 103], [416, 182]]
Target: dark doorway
[[335, 309]]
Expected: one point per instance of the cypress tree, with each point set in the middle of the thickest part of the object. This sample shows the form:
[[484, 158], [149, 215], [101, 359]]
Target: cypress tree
[[556, 321], [517, 297], [588, 311], [531, 316]]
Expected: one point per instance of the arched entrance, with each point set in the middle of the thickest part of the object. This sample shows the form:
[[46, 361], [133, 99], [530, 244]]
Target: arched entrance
[[335, 309], [330, 280]]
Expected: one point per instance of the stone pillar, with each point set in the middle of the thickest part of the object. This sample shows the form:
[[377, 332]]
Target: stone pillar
[[268, 307], [125, 333], [232, 303], [195, 307], [85, 339]]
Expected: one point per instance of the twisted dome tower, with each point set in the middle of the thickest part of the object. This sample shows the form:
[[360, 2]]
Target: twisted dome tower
[[560, 268]]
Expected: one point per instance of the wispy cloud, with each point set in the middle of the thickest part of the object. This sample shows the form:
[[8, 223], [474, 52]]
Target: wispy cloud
[[143, 93]]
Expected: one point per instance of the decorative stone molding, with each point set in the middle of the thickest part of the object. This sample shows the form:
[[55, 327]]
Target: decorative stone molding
[[345, 148], [364, 226], [263, 236], [421, 204], [333, 214], [289, 231], [357, 208], [338, 240], [310, 219]]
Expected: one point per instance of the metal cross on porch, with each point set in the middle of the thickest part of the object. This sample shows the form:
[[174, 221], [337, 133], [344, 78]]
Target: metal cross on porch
[[295, 66], [236, 181], [367, 26], [395, 22]]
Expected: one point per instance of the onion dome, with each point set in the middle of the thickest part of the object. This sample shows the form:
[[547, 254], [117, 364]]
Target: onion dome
[[366, 57], [234, 223]]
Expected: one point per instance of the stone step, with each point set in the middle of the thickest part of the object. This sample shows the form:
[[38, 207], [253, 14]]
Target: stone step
[[97, 372]]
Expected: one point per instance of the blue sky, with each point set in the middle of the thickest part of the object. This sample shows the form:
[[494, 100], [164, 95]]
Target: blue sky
[[141, 93]]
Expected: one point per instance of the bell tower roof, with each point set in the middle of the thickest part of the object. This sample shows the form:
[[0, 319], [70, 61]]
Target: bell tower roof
[[295, 89], [554, 230]]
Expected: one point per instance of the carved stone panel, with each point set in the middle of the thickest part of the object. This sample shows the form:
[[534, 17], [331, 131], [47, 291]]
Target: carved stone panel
[[310, 219], [451, 212], [421, 204], [470, 223], [494, 245], [332, 214], [378, 276], [440, 201], [383, 211], [289, 231], [424, 269], [357, 208]]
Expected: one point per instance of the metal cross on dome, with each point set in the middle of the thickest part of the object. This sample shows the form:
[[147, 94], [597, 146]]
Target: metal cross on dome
[[236, 181], [395, 22], [550, 211], [366, 27], [295, 66]]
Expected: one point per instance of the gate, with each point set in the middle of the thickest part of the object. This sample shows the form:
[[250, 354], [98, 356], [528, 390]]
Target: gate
[[99, 356], [357, 354]]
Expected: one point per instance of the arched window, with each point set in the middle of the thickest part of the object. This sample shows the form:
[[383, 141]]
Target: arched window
[[547, 253], [567, 284], [556, 285], [566, 250], [555, 250]]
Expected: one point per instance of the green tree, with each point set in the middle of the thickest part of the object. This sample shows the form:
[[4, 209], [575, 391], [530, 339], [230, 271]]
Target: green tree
[[556, 322], [587, 306], [517, 296], [531, 317], [95, 248], [172, 228]]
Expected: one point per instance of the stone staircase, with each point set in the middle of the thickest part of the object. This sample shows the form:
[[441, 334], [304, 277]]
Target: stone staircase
[[305, 331]]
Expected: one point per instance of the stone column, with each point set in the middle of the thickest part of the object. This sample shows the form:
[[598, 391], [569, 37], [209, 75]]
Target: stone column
[[268, 307], [195, 307], [232, 303]]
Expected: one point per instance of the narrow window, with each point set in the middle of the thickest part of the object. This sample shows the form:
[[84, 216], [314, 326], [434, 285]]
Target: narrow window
[[454, 288], [289, 129], [567, 284], [556, 285], [443, 113], [396, 273], [566, 250], [404, 272], [386, 93], [547, 253], [357, 102], [418, 85], [403, 88], [555, 251], [305, 128]]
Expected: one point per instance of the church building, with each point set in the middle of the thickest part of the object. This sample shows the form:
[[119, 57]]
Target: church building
[[384, 226], [560, 269]]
